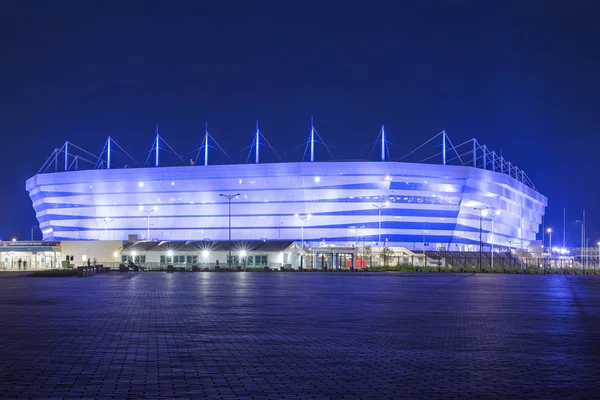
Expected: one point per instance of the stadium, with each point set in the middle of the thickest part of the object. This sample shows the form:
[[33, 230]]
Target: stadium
[[452, 201]]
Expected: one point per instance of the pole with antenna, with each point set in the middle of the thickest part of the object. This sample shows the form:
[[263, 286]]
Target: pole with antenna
[[564, 226]]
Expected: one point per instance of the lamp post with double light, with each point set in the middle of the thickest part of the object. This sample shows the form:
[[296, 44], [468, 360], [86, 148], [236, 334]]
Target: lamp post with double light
[[302, 218], [106, 220], [229, 197], [148, 211], [379, 208]]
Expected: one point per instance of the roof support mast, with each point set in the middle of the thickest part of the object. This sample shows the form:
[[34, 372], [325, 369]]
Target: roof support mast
[[485, 154], [206, 144], [382, 143], [257, 158], [312, 140], [444, 147], [66, 156], [157, 146], [108, 153]]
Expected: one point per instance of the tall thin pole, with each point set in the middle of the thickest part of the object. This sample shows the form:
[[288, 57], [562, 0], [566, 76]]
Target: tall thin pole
[[379, 219], [564, 227], [382, 143], [257, 142], [206, 144], [444, 147], [475, 153], [66, 155], [229, 197], [379, 229], [581, 251], [492, 242], [312, 140], [480, 238], [583, 244], [108, 153], [147, 229], [157, 146], [521, 224], [543, 233]]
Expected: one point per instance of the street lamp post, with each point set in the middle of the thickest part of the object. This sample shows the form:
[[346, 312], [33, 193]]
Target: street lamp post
[[106, 220], [549, 230], [493, 238], [148, 211], [302, 218], [34, 226], [229, 197], [386, 204], [582, 251], [482, 212]]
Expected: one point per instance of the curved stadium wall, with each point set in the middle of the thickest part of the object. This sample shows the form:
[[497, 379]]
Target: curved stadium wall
[[430, 206]]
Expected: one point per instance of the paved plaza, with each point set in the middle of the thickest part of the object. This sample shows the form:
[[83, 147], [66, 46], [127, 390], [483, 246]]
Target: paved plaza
[[300, 336]]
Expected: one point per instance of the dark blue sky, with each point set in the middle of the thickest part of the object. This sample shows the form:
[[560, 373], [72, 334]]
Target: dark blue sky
[[518, 75]]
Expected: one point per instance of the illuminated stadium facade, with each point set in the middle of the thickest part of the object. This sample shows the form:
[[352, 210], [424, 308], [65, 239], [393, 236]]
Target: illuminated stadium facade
[[414, 205]]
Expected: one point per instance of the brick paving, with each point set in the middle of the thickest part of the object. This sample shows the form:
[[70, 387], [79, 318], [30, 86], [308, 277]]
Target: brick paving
[[300, 336]]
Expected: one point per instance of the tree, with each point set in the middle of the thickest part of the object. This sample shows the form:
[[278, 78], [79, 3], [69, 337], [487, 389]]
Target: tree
[[367, 252], [385, 253]]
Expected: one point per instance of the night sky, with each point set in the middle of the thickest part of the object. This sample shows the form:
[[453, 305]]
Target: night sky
[[521, 76]]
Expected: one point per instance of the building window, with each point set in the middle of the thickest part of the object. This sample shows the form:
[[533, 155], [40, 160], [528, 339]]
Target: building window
[[166, 259], [260, 260], [179, 259]]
